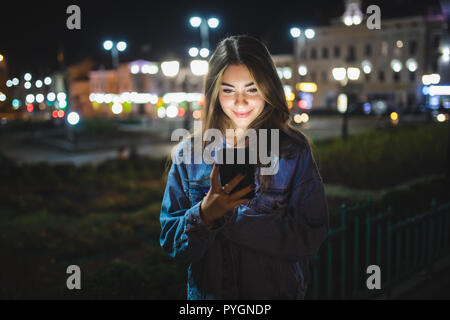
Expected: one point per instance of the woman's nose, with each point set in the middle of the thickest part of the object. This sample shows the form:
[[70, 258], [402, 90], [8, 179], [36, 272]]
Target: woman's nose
[[240, 99]]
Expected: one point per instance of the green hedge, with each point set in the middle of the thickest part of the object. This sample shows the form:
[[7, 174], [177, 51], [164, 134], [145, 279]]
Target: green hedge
[[385, 157]]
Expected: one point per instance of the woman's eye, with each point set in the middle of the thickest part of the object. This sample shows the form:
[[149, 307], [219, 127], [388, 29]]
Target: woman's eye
[[254, 90], [227, 90]]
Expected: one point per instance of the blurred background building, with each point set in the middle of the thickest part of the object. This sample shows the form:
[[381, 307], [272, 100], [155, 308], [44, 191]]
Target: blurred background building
[[342, 66], [373, 68]]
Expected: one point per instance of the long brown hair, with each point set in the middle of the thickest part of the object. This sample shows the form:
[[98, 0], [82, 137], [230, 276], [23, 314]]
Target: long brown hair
[[251, 52]]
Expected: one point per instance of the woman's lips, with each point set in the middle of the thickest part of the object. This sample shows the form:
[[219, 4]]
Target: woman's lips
[[242, 115]]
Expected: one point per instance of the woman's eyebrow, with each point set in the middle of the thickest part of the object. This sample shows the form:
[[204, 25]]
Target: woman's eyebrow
[[230, 85]]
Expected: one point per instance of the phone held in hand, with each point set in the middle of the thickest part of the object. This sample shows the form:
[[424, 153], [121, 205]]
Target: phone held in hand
[[229, 169]]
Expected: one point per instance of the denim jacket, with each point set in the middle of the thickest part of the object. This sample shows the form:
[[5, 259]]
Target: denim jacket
[[258, 250]]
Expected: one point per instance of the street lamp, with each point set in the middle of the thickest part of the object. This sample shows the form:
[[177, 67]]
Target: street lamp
[[352, 14], [195, 21], [170, 68], [353, 73], [411, 64], [366, 66], [204, 25], [342, 75], [204, 52], [295, 32], [193, 52], [213, 23], [302, 70], [310, 33], [199, 67], [115, 48], [299, 49], [48, 81]]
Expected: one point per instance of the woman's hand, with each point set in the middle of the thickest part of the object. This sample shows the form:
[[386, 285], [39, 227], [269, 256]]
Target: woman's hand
[[219, 201]]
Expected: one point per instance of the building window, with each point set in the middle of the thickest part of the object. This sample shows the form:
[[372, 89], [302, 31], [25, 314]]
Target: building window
[[368, 50], [367, 77], [396, 76], [436, 41], [381, 76], [313, 53], [351, 54], [412, 76], [313, 76], [434, 66], [324, 77], [325, 53], [337, 51], [412, 47], [303, 55]]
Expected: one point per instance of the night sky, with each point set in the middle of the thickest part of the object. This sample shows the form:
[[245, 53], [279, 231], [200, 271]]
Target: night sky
[[32, 32]]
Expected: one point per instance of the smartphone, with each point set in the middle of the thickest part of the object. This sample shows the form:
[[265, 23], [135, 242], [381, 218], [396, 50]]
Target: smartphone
[[228, 171]]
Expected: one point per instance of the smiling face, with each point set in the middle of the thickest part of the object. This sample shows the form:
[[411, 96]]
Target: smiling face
[[239, 97]]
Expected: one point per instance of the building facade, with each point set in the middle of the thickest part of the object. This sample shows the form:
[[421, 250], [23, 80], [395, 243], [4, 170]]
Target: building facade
[[388, 63]]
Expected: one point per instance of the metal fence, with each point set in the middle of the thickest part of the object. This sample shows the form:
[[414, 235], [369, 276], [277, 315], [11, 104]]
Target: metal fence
[[401, 247]]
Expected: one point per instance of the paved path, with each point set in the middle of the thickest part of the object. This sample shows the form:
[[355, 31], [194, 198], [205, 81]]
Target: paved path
[[24, 149]]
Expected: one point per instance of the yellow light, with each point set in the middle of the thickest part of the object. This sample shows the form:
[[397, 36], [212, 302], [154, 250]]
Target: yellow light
[[290, 104], [433, 78], [307, 86], [394, 115], [290, 96], [1, 58]]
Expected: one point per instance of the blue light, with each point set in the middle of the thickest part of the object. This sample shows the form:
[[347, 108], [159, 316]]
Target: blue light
[[426, 90], [434, 101], [367, 107], [16, 103]]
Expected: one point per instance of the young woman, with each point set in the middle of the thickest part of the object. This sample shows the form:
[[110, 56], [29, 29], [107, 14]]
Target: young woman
[[236, 247]]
